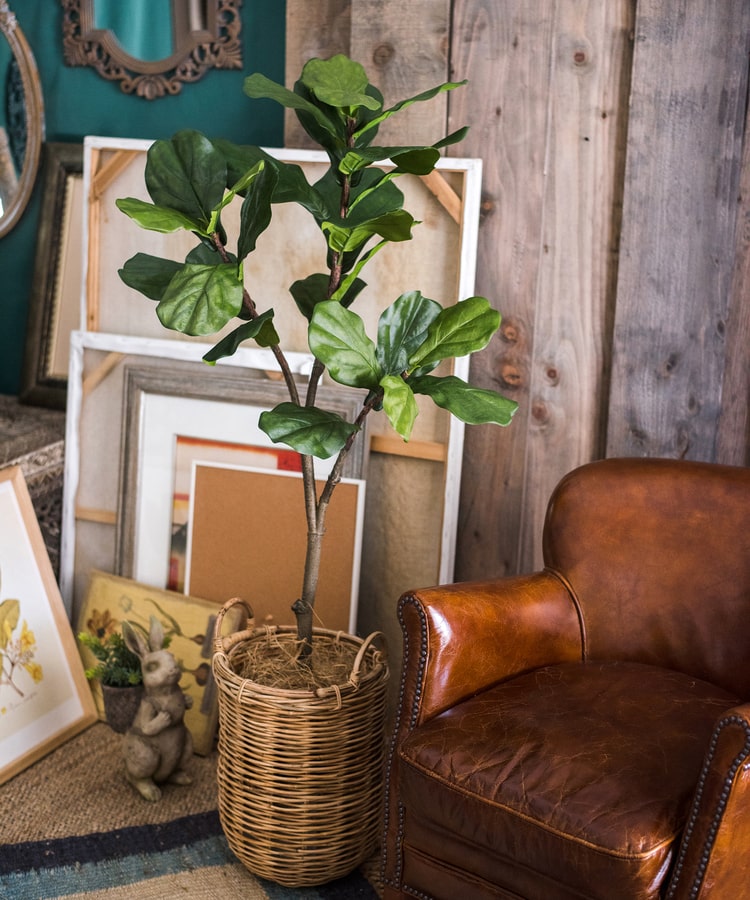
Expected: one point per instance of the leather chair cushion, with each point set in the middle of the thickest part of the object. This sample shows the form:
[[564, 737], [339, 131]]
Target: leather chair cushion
[[583, 772]]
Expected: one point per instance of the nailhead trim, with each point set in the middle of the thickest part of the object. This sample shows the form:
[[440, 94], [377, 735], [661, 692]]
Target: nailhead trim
[[394, 740], [720, 808]]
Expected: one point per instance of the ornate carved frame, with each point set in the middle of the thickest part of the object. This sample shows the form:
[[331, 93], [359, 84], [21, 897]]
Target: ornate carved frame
[[218, 46]]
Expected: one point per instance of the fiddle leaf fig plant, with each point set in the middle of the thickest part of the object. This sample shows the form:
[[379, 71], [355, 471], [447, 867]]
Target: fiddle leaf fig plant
[[359, 210]]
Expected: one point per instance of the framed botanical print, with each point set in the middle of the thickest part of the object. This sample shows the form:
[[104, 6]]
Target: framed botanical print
[[44, 696]]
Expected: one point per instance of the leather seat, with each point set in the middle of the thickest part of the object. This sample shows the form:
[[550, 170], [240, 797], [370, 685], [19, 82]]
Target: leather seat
[[583, 731]]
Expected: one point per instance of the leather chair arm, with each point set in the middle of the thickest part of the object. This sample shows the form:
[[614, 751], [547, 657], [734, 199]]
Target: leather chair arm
[[463, 638], [460, 639], [713, 862]]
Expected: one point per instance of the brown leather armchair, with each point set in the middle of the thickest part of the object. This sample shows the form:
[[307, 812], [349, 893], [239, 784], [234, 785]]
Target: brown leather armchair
[[584, 731]]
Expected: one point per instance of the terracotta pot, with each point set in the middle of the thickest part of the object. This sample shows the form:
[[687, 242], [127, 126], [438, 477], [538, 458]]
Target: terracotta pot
[[121, 705]]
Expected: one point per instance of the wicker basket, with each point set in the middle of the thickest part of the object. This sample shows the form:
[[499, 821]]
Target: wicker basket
[[300, 772]]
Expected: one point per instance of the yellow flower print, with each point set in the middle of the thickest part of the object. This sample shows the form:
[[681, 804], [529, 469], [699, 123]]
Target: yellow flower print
[[35, 670]]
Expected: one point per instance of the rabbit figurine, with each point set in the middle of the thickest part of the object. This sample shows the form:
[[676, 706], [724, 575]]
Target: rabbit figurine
[[158, 745]]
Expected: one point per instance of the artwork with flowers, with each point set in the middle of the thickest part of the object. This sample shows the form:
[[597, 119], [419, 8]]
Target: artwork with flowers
[[44, 696], [187, 621]]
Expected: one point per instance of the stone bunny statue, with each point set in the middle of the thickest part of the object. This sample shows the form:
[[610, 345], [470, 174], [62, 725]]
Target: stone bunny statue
[[158, 745]]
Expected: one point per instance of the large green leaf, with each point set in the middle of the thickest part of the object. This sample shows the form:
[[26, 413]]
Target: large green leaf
[[414, 160], [308, 292], [258, 86], [337, 338], [200, 299], [472, 405], [149, 274], [393, 226], [402, 328], [10, 611], [187, 174], [399, 404], [403, 104], [340, 82], [460, 329], [159, 218], [306, 429], [261, 330], [255, 214]]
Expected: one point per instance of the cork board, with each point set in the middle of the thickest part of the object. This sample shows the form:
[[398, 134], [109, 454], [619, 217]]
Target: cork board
[[259, 511]]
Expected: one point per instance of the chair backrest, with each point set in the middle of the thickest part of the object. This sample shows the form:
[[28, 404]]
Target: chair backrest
[[657, 554]]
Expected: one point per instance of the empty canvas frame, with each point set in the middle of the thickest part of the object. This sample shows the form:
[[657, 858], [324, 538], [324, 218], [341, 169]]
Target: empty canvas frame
[[439, 260]]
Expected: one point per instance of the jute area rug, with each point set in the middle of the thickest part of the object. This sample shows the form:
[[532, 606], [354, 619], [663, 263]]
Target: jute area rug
[[72, 827]]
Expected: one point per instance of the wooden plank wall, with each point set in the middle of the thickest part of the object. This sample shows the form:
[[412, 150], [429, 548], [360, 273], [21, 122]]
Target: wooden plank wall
[[615, 237]]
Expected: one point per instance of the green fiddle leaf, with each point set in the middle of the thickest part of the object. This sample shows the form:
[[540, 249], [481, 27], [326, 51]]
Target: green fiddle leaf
[[475, 406], [402, 329], [158, 218], [425, 95], [458, 330], [149, 275], [454, 138], [200, 299], [255, 214], [373, 196], [307, 292], [414, 160], [337, 338], [261, 330], [206, 254], [291, 184], [186, 174], [306, 429], [393, 226], [258, 86], [399, 404], [339, 81]]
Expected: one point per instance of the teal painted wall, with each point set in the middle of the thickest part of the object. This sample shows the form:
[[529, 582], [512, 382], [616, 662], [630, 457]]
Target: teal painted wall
[[80, 102]]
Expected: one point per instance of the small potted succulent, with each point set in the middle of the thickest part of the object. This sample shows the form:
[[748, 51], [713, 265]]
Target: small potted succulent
[[358, 209], [118, 672]]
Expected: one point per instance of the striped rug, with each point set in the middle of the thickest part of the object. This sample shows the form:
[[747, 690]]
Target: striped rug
[[73, 828]]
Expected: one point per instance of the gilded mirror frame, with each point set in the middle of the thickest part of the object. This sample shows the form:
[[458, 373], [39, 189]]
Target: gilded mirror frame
[[34, 115], [215, 46]]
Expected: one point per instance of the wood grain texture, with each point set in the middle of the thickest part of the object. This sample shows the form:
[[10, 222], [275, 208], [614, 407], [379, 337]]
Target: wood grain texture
[[733, 439], [682, 182], [577, 268], [505, 49], [403, 44]]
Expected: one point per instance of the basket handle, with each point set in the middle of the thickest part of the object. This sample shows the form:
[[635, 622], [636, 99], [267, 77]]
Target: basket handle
[[361, 653], [222, 644]]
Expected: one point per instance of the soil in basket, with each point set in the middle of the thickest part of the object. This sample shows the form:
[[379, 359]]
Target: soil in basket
[[278, 665]]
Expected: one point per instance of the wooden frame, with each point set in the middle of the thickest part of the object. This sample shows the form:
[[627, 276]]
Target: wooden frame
[[44, 696], [188, 400], [440, 260], [54, 304], [214, 45], [189, 623], [93, 517]]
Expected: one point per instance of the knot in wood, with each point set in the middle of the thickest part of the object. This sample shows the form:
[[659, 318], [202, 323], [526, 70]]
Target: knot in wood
[[383, 54]]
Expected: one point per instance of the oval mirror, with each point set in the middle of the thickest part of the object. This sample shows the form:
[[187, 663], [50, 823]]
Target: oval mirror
[[21, 121]]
